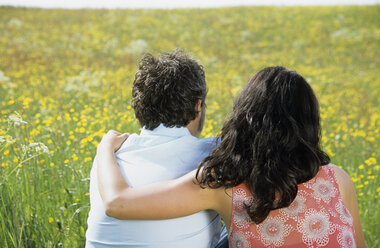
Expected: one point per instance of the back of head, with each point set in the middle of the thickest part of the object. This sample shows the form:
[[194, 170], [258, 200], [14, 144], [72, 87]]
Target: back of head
[[271, 141], [166, 90]]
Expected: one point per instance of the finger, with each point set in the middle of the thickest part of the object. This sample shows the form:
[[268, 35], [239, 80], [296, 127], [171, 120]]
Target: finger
[[124, 136], [113, 132]]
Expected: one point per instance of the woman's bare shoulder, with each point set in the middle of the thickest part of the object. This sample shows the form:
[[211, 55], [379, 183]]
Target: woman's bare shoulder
[[347, 190], [342, 177], [346, 186]]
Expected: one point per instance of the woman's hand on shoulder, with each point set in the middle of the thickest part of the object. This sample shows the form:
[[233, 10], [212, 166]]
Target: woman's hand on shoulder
[[112, 140]]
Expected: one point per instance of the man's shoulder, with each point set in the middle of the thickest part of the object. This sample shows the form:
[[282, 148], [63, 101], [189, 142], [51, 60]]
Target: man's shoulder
[[187, 143], [127, 143], [213, 141], [206, 144]]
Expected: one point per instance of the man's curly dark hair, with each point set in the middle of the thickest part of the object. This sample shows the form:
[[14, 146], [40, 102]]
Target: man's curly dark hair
[[166, 90]]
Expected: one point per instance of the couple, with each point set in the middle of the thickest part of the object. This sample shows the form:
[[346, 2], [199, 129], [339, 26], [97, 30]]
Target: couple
[[266, 176]]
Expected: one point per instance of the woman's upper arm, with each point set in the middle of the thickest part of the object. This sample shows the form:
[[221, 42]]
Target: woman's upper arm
[[162, 200], [347, 190]]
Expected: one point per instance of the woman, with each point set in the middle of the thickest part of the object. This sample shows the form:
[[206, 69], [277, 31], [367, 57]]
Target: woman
[[268, 179]]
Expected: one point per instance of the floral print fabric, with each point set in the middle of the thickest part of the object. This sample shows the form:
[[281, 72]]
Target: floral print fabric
[[316, 218]]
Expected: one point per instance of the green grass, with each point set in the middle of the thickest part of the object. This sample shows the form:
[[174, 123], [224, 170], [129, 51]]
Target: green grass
[[68, 73]]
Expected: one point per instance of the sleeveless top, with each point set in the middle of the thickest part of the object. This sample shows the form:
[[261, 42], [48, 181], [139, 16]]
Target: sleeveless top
[[316, 218]]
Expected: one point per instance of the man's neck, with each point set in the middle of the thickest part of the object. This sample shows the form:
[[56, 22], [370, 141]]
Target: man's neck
[[193, 129], [166, 131]]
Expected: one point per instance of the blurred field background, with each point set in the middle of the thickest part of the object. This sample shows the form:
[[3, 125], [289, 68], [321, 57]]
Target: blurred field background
[[66, 76]]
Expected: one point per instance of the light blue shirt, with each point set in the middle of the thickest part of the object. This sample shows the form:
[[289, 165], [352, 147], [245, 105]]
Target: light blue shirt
[[158, 155]]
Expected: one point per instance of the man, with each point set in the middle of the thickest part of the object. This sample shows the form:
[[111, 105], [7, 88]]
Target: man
[[168, 97]]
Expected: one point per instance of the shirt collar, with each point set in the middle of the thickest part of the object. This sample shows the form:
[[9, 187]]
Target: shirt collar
[[166, 131]]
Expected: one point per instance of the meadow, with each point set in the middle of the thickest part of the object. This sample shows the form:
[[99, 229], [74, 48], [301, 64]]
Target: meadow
[[66, 76]]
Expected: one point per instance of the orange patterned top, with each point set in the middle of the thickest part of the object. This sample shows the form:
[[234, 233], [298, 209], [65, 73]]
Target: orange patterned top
[[316, 218]]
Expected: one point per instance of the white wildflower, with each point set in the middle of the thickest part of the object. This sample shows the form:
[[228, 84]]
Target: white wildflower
[[137, 47], [14, 22], [2, 139], [24, 148], [84, 81], [3, 77], [10, 139], [39, 147], [17, 119], [76, 83], [246, 35], [110, 45]]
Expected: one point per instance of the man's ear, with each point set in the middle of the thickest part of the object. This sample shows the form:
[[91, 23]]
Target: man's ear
[[198, 107]]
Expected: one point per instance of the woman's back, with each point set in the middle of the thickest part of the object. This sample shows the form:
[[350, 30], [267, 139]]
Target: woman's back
[[317, 217]]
